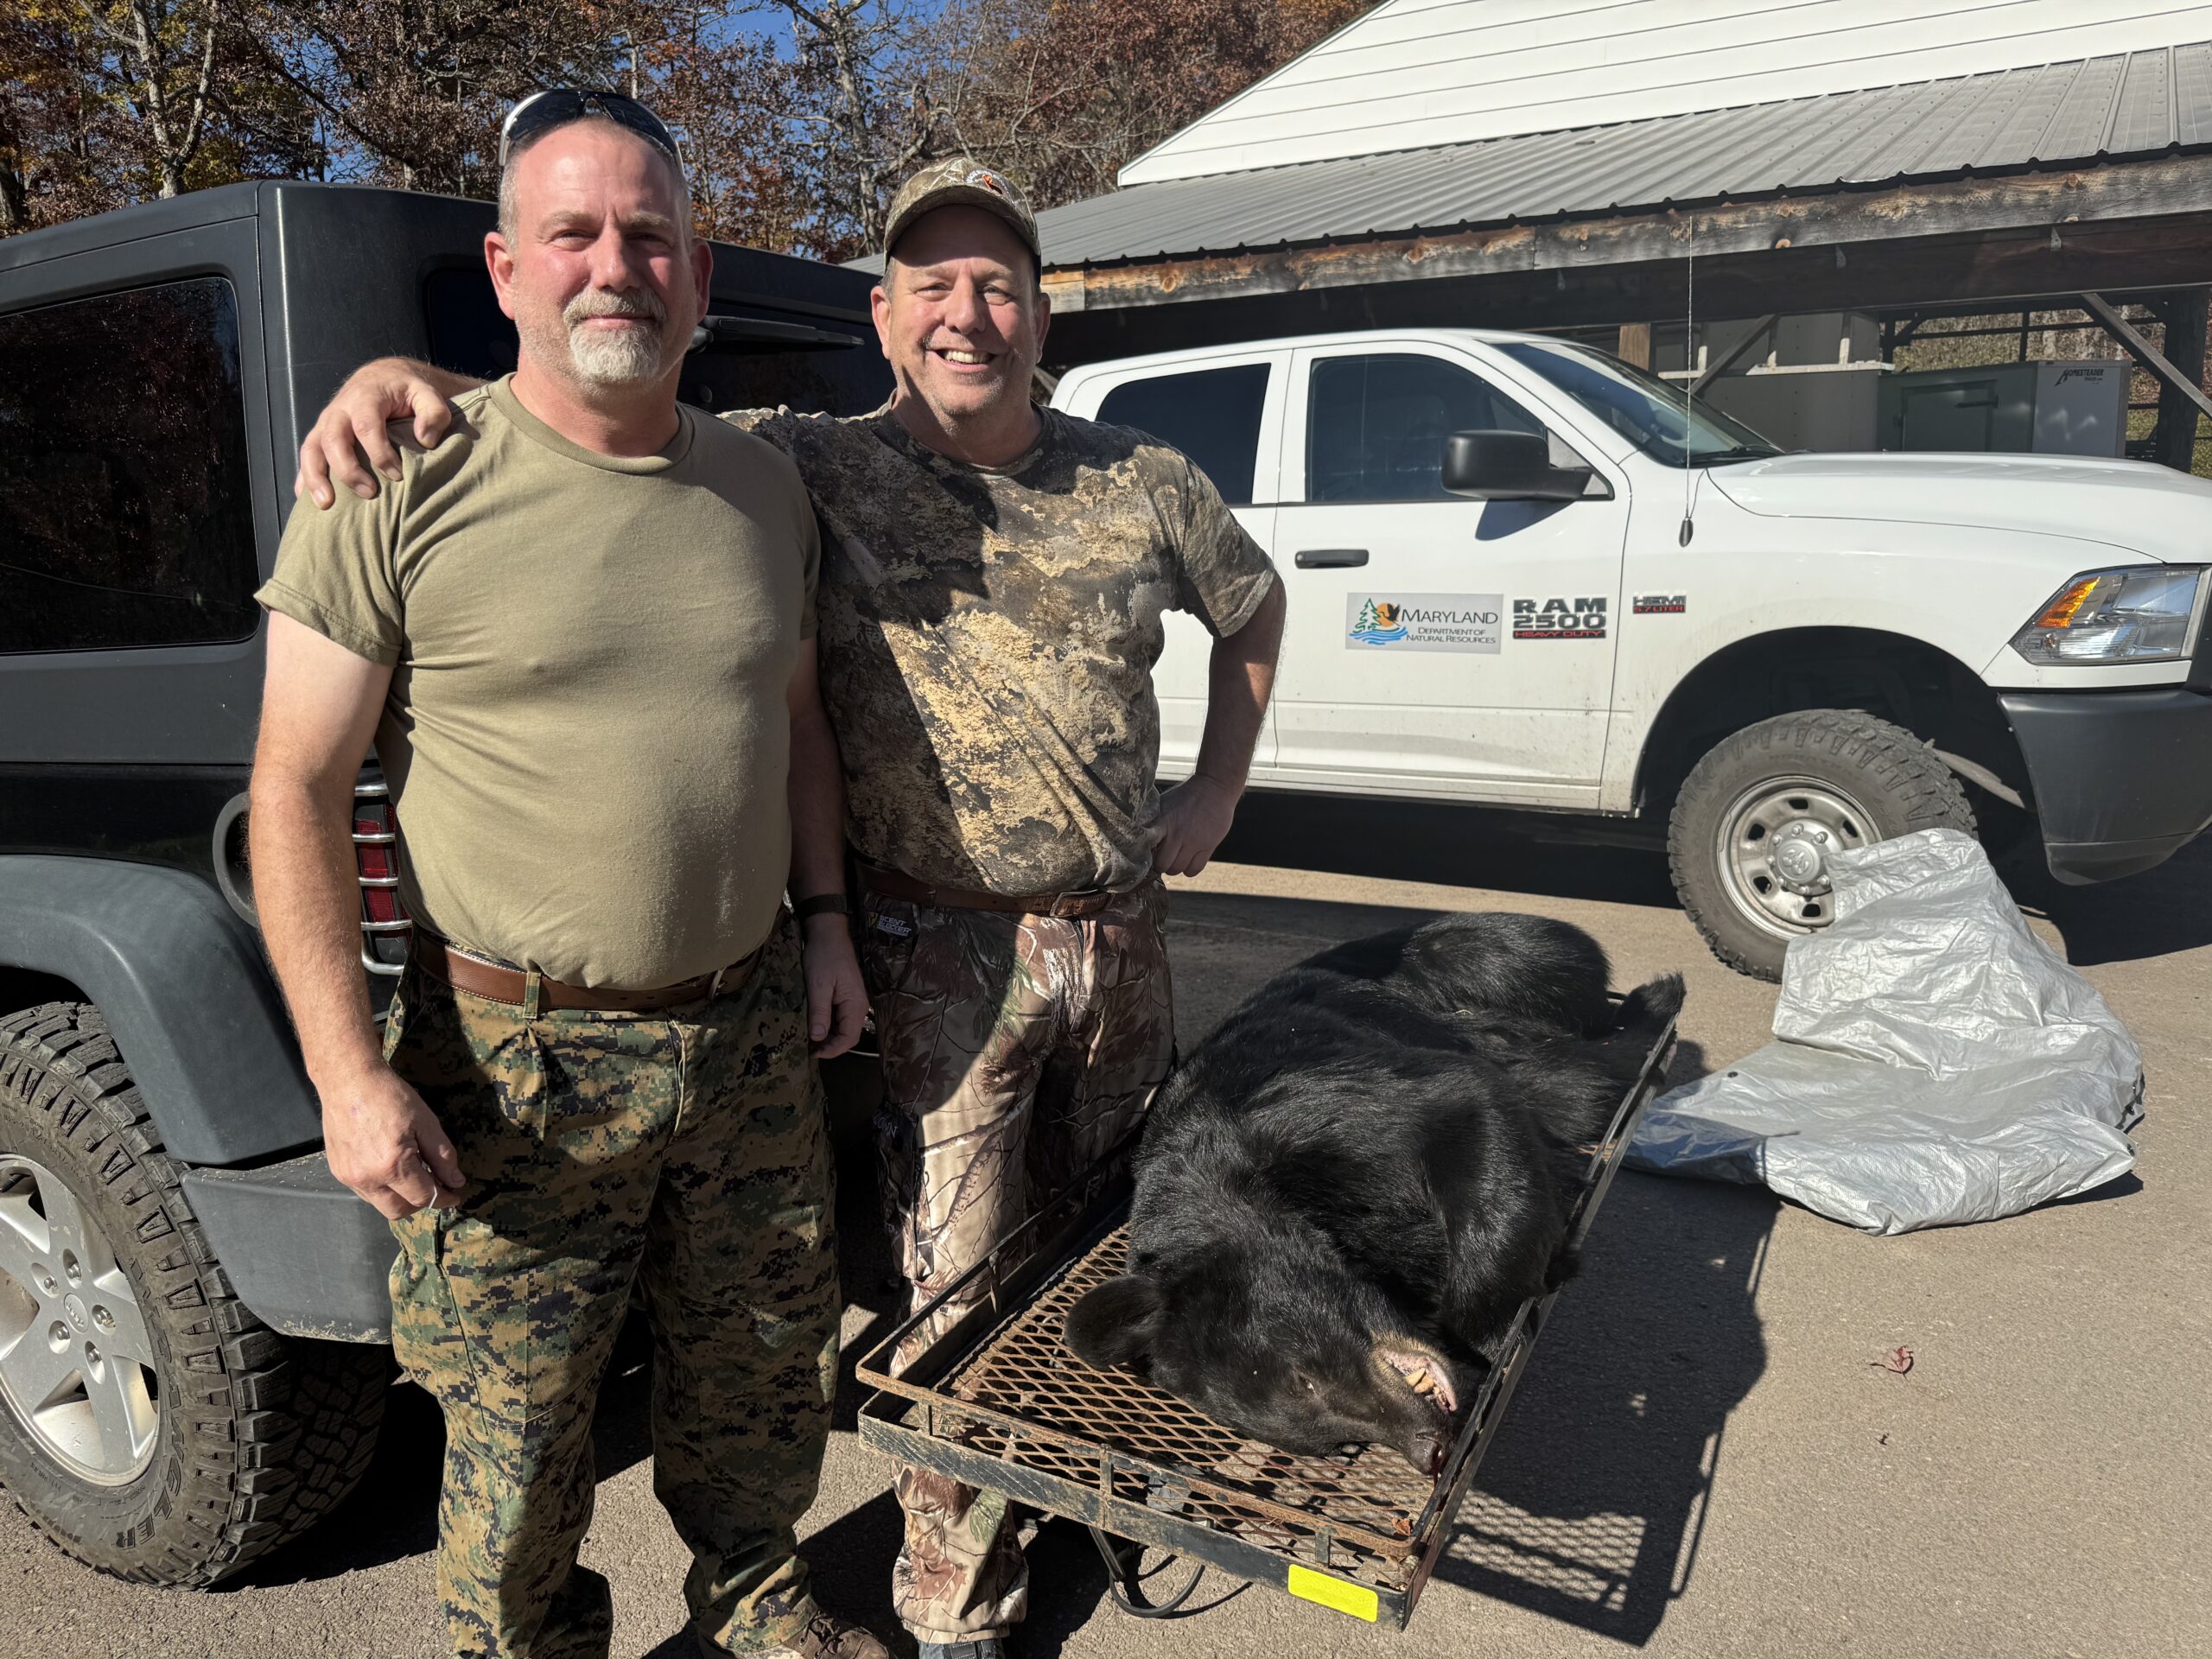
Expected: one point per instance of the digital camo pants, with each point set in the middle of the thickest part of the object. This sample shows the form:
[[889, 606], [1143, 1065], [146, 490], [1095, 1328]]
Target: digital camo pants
[[1017, 1051], [685, 1150]]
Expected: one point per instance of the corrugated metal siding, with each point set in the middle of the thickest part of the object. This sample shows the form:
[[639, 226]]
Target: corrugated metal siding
[[1417, 74], [2138, 104]]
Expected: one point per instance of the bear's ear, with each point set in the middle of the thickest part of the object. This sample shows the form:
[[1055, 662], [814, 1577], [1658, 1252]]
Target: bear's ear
[[1113, 1325]]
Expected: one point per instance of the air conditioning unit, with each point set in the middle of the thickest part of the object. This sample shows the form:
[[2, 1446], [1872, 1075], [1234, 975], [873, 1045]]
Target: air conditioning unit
[[2048, 408]]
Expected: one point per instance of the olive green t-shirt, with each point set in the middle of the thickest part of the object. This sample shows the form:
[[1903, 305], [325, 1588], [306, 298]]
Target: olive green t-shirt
[[587, 735], [988, 635]]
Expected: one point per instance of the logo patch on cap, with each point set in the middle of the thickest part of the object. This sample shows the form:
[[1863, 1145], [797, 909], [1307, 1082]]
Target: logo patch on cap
[[987, 180]]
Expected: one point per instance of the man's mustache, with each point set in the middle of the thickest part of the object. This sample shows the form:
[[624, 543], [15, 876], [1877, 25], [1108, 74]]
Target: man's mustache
[[626, 302]]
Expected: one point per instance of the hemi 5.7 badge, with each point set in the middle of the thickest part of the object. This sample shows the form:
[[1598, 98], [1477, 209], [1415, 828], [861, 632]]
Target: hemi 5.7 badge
[[1660, 604], [1559, 619]]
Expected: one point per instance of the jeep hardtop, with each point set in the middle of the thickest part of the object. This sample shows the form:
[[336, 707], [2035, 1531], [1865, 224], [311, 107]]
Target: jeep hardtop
[[192, 1309]]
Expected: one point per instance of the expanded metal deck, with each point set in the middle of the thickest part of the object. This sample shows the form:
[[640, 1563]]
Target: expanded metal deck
[[1369, 1501]]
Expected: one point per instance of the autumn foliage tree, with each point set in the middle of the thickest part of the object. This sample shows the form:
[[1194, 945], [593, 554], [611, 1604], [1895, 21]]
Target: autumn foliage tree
[[799, 117], [1061, 93], [104, 102]]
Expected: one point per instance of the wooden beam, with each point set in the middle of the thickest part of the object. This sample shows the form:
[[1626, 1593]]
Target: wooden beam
[[1635, 346], [2052, 205], [1991, 271], [2147, 354], [1728, 359]]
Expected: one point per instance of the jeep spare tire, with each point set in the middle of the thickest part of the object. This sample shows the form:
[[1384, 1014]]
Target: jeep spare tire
[[150, 1424], [1762, 813]]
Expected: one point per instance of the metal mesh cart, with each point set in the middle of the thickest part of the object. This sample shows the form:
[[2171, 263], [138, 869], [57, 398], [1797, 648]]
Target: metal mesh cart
[[998, 1402]]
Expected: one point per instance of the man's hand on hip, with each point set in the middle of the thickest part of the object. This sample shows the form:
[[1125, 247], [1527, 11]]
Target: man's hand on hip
[[386, 1145], [1194, 818], [836, 1000], [348, 442]]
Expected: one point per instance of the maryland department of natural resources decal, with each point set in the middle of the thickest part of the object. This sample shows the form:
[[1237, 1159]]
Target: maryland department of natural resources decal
[[1559, 619], [1423, 622]]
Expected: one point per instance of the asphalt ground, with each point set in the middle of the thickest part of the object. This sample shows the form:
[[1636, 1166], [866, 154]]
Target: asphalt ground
[[1706, 1457]]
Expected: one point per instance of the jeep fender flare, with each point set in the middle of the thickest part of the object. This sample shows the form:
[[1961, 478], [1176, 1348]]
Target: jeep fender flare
[[180, 978]]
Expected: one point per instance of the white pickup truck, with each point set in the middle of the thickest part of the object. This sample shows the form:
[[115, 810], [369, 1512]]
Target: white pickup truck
[[1519, 576]]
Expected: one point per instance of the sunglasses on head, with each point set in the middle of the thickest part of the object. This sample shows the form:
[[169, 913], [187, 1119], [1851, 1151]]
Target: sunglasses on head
[[541, 112]]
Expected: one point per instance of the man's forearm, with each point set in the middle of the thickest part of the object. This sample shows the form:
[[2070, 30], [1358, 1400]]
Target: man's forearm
[[306, 890], [1240, 678], [444, 381], [818, 806]]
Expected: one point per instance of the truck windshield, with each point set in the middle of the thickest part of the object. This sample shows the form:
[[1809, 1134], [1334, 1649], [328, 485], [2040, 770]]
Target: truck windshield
[[1641, 407]]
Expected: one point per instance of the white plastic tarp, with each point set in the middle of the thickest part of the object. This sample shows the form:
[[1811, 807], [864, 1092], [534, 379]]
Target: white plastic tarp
[[1935, 1061]]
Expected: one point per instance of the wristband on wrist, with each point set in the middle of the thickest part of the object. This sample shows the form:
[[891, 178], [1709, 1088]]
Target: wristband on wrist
[[822, 904]]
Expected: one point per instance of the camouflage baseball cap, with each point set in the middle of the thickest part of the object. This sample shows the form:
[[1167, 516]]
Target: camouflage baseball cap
[[960, 181]]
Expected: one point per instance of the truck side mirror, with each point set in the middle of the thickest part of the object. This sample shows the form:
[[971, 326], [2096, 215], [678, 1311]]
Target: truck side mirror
[[1510, 467]]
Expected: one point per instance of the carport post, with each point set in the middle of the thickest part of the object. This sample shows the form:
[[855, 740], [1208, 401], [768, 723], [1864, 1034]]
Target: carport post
[[1635, 344], [2184, 387], [2173, 443]]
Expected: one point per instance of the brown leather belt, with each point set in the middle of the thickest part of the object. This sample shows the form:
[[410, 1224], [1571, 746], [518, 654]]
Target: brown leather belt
[[454, 966], [893, 885]]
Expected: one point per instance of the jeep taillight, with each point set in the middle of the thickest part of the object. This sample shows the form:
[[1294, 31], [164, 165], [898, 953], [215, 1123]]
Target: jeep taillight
[[384, 927]]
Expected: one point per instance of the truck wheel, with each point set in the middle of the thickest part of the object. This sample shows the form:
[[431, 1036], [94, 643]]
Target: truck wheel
[[1758, 818], [149, 1425]]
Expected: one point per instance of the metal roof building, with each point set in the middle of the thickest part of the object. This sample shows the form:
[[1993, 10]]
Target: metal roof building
[[2156, 102], [1549, 163]]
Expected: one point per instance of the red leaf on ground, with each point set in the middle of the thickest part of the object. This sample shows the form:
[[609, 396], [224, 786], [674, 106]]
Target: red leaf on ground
[[1898, 1359]]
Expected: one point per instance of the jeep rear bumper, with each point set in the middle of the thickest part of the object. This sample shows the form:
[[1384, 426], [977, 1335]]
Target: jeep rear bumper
[[2121, 780], [307, 1255]]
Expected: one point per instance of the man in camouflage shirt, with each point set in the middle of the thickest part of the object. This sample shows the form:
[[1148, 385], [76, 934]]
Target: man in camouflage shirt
[[993, 582]]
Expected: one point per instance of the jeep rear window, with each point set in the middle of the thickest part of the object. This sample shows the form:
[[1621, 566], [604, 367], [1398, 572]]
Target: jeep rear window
[[471, 335], [126, 517]]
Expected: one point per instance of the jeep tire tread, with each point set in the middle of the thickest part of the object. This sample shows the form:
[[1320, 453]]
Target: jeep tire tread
[[1903, 785], [259, 1435]]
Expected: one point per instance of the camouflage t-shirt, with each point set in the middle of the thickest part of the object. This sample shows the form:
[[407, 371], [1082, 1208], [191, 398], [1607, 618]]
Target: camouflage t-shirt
[[987, 640]]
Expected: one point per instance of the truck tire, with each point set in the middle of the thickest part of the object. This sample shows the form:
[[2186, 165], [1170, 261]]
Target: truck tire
[[1758, 816], [150, 1424]]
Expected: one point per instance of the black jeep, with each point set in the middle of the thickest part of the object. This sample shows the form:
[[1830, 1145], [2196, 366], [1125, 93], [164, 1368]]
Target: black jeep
[[192, 1309]]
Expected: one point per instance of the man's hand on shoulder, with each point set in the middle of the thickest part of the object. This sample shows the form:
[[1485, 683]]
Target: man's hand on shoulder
[[1194, 819], [348, 443], [837, 999]]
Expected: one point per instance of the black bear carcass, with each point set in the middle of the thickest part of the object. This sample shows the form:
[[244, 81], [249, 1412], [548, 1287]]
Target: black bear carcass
[[1347, 1189]]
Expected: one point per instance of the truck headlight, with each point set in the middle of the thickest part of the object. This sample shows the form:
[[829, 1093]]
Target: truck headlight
[[2139, 613]]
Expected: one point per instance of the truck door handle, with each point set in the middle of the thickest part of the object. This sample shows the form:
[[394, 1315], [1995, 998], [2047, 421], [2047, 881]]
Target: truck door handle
[[1325, 558]]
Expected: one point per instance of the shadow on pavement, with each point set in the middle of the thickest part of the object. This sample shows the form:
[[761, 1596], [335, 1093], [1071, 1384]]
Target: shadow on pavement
[[1460, 846], [2154, 914], [1589, 1507]]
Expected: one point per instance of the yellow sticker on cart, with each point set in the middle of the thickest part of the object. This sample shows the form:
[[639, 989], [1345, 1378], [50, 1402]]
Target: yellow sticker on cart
[[1358, 1600]]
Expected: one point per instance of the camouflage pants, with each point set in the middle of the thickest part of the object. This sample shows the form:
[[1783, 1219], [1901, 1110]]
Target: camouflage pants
[[685, 1150], [1017, 1051]]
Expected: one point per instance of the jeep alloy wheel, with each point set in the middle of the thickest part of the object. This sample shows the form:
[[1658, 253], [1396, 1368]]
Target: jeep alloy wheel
[[76, 1364], [150, 1424]]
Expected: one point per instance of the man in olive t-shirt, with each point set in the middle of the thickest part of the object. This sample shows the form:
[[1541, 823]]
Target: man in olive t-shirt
[[586, 731], [582, 630]]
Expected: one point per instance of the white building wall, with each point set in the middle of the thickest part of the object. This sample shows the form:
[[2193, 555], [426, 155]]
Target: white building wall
[[1417, 73]]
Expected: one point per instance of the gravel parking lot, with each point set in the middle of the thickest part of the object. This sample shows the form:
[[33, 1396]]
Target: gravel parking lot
[[1705, 1457]]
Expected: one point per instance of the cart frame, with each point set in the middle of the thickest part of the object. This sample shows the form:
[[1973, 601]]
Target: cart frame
[[928, 1414]]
